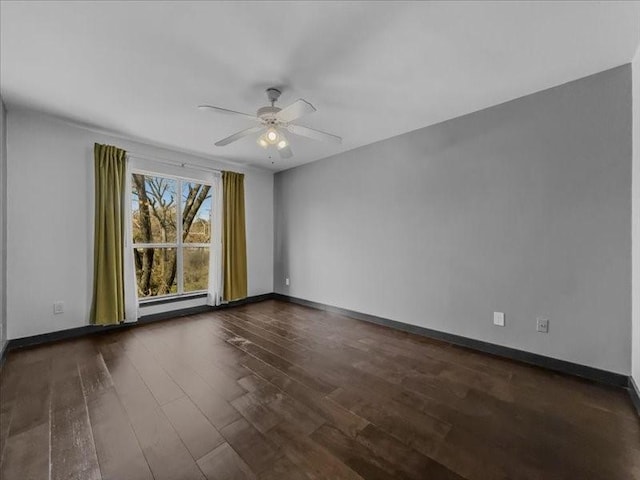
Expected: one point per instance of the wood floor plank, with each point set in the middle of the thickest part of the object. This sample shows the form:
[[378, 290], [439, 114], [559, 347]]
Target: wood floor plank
[[345, 420], [282, 364], [295, 413], [217, 410], [224, 463], [33, 398], [405, 459], [20, 462], [66, 385], [284, 469], [267, 406], [274, 326], [95, 376], [355, 455], [374, 373], [251, 382], [214, 361], [5, 424], [10, 378], [256, 450], [279, 391], [251, 330], [198, 435], [422, 432], [166, 454], [119, 453], [163, 388], [73, 453], [311, 456], [255, 410]]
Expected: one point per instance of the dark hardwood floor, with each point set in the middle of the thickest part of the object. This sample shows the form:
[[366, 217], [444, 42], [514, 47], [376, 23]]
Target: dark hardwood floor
[[278, 391]]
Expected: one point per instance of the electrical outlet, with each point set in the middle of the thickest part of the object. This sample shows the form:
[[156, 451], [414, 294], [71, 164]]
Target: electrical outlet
[[498, 319], [286, 281], [542, 325], [58, 307]]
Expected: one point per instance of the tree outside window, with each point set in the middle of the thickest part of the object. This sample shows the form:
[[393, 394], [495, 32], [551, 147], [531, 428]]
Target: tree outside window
[[171, 221]]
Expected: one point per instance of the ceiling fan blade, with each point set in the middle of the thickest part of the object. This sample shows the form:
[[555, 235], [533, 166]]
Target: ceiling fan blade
[[238, 136], [296, 110], [314, 134], [227, 111], [285, 152]]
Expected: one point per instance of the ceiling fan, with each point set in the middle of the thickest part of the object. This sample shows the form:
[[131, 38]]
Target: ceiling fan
[[273, 121]]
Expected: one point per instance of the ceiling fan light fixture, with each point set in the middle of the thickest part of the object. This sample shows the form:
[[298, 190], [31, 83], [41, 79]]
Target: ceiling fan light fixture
[[272, 122], [262, 141], [272, 136]]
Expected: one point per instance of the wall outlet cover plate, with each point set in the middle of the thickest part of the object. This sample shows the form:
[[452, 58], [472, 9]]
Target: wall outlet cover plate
[[58, 307], [498, 319], [542, 325]]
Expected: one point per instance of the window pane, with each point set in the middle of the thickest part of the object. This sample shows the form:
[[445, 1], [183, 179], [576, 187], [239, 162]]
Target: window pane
[[196, 213], [155, 271], [154, 207], [196, 268]]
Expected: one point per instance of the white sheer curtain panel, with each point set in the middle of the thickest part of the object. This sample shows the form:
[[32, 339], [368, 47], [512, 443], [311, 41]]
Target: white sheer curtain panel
[[214, 292], [129, 270]]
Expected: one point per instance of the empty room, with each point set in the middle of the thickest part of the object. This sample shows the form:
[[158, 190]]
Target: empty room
[[309, 240]]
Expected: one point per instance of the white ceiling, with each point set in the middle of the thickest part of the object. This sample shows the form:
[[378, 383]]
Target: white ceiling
[[373, 70]]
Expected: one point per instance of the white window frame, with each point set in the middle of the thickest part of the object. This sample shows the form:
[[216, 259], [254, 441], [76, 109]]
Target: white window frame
[[178, 245]]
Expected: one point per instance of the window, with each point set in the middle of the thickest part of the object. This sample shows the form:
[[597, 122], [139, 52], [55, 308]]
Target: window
[[171, 225]]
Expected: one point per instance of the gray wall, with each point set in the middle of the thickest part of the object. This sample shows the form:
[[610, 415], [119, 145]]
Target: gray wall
[[50, 184], [635, 339], [3, 224], [524, 208]]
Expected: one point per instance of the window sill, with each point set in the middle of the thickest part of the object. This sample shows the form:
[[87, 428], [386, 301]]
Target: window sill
[[172, 299]]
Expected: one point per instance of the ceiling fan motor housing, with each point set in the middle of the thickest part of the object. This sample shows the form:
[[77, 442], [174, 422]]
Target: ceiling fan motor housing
[[273, 94], [268, 114]]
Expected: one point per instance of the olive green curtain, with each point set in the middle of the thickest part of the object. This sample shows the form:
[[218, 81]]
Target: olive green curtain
[[108, 280], [234, 243]]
